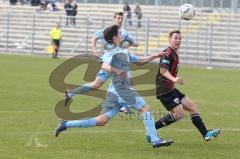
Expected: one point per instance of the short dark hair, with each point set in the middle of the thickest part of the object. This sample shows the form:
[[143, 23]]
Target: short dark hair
[[172, 32], [110, 32], [118, 13]]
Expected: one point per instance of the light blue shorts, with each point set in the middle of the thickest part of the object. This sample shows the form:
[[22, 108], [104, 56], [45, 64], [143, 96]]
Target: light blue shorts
[[112, 103]]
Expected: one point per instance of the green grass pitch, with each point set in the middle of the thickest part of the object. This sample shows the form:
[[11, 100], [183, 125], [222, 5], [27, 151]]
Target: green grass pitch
[[28, 120]]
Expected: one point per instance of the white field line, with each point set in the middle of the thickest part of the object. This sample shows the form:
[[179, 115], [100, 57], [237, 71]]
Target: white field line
[[34, 142]]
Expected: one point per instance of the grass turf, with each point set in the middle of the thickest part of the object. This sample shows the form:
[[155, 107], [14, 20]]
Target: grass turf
[[27, 117]]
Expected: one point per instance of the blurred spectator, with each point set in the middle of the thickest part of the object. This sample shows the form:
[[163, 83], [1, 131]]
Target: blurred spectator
[[51, 6], [127, 13], [138, 14], [56, 37], [35, 2], [71, 11], [22, 2], [43, 5], [12, 2], [74, 12]]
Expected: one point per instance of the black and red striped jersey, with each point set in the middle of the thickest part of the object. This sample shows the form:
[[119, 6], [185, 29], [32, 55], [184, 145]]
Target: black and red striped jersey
[[171, 63]]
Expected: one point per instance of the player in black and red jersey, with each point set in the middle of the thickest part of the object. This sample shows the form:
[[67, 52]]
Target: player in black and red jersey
[[172, 99]]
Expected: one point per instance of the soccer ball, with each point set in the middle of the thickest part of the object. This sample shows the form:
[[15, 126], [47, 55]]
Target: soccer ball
[[186, 11]]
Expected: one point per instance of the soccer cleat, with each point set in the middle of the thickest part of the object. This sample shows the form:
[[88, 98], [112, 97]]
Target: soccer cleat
[[67, 97], [61, 127], [126, 110], [211, 134], [161, 142], [148, 138]]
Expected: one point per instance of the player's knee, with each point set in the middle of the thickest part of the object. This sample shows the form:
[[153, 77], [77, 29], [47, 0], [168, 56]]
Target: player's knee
[[193, 108], [145, 108], [96, 85], [101, 121], [178, 115], [194, 111]]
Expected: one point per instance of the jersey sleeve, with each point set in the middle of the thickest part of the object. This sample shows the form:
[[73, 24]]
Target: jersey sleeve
[[165, 62], [133, 58], [99, 35], [127, 37], [107, 58]]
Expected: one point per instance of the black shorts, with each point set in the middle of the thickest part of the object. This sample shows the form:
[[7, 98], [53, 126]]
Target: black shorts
[[56, 42], [171, 99]]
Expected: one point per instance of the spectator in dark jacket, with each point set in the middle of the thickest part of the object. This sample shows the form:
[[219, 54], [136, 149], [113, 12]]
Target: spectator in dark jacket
[[127, 12], [138, 14], [71, 11], [74, 12]]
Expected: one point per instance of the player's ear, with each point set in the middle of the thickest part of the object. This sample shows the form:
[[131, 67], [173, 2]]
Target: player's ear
[[169, 40]]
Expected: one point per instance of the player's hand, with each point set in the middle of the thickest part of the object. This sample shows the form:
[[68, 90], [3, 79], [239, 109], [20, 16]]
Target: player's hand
[[135, 44], [126, 44], [178, 80], [162, 54], [96, 56], [122, 74]]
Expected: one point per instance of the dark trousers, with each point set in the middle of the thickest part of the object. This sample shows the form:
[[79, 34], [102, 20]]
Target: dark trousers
[[70, 19]]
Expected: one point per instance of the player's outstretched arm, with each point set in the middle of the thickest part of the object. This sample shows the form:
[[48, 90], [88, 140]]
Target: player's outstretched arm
[[147, 59], [135, 44], [128, 44], [94, 45]]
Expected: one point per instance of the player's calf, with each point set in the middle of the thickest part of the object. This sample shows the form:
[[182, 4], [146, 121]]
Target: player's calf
[[165, 121]]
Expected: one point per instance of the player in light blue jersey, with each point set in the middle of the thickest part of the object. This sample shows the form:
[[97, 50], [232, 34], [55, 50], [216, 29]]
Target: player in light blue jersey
[[120, 91], [118, 20], [102, 75]]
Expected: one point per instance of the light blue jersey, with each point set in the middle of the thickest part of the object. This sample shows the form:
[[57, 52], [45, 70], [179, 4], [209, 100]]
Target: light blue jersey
[[119, 58], [120, 88], [103, 75], [120, 94], [124, 33]]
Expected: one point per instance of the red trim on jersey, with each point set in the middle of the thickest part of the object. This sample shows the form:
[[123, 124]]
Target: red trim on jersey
[[173, 68], [168, 50]]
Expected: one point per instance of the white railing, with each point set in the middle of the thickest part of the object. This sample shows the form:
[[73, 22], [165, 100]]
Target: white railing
[[208, 39]]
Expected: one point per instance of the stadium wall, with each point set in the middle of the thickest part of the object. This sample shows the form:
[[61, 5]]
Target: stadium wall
[[209, 39]]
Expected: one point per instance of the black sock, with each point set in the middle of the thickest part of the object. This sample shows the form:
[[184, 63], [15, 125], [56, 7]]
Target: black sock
[[197, 121], [165, 121]]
